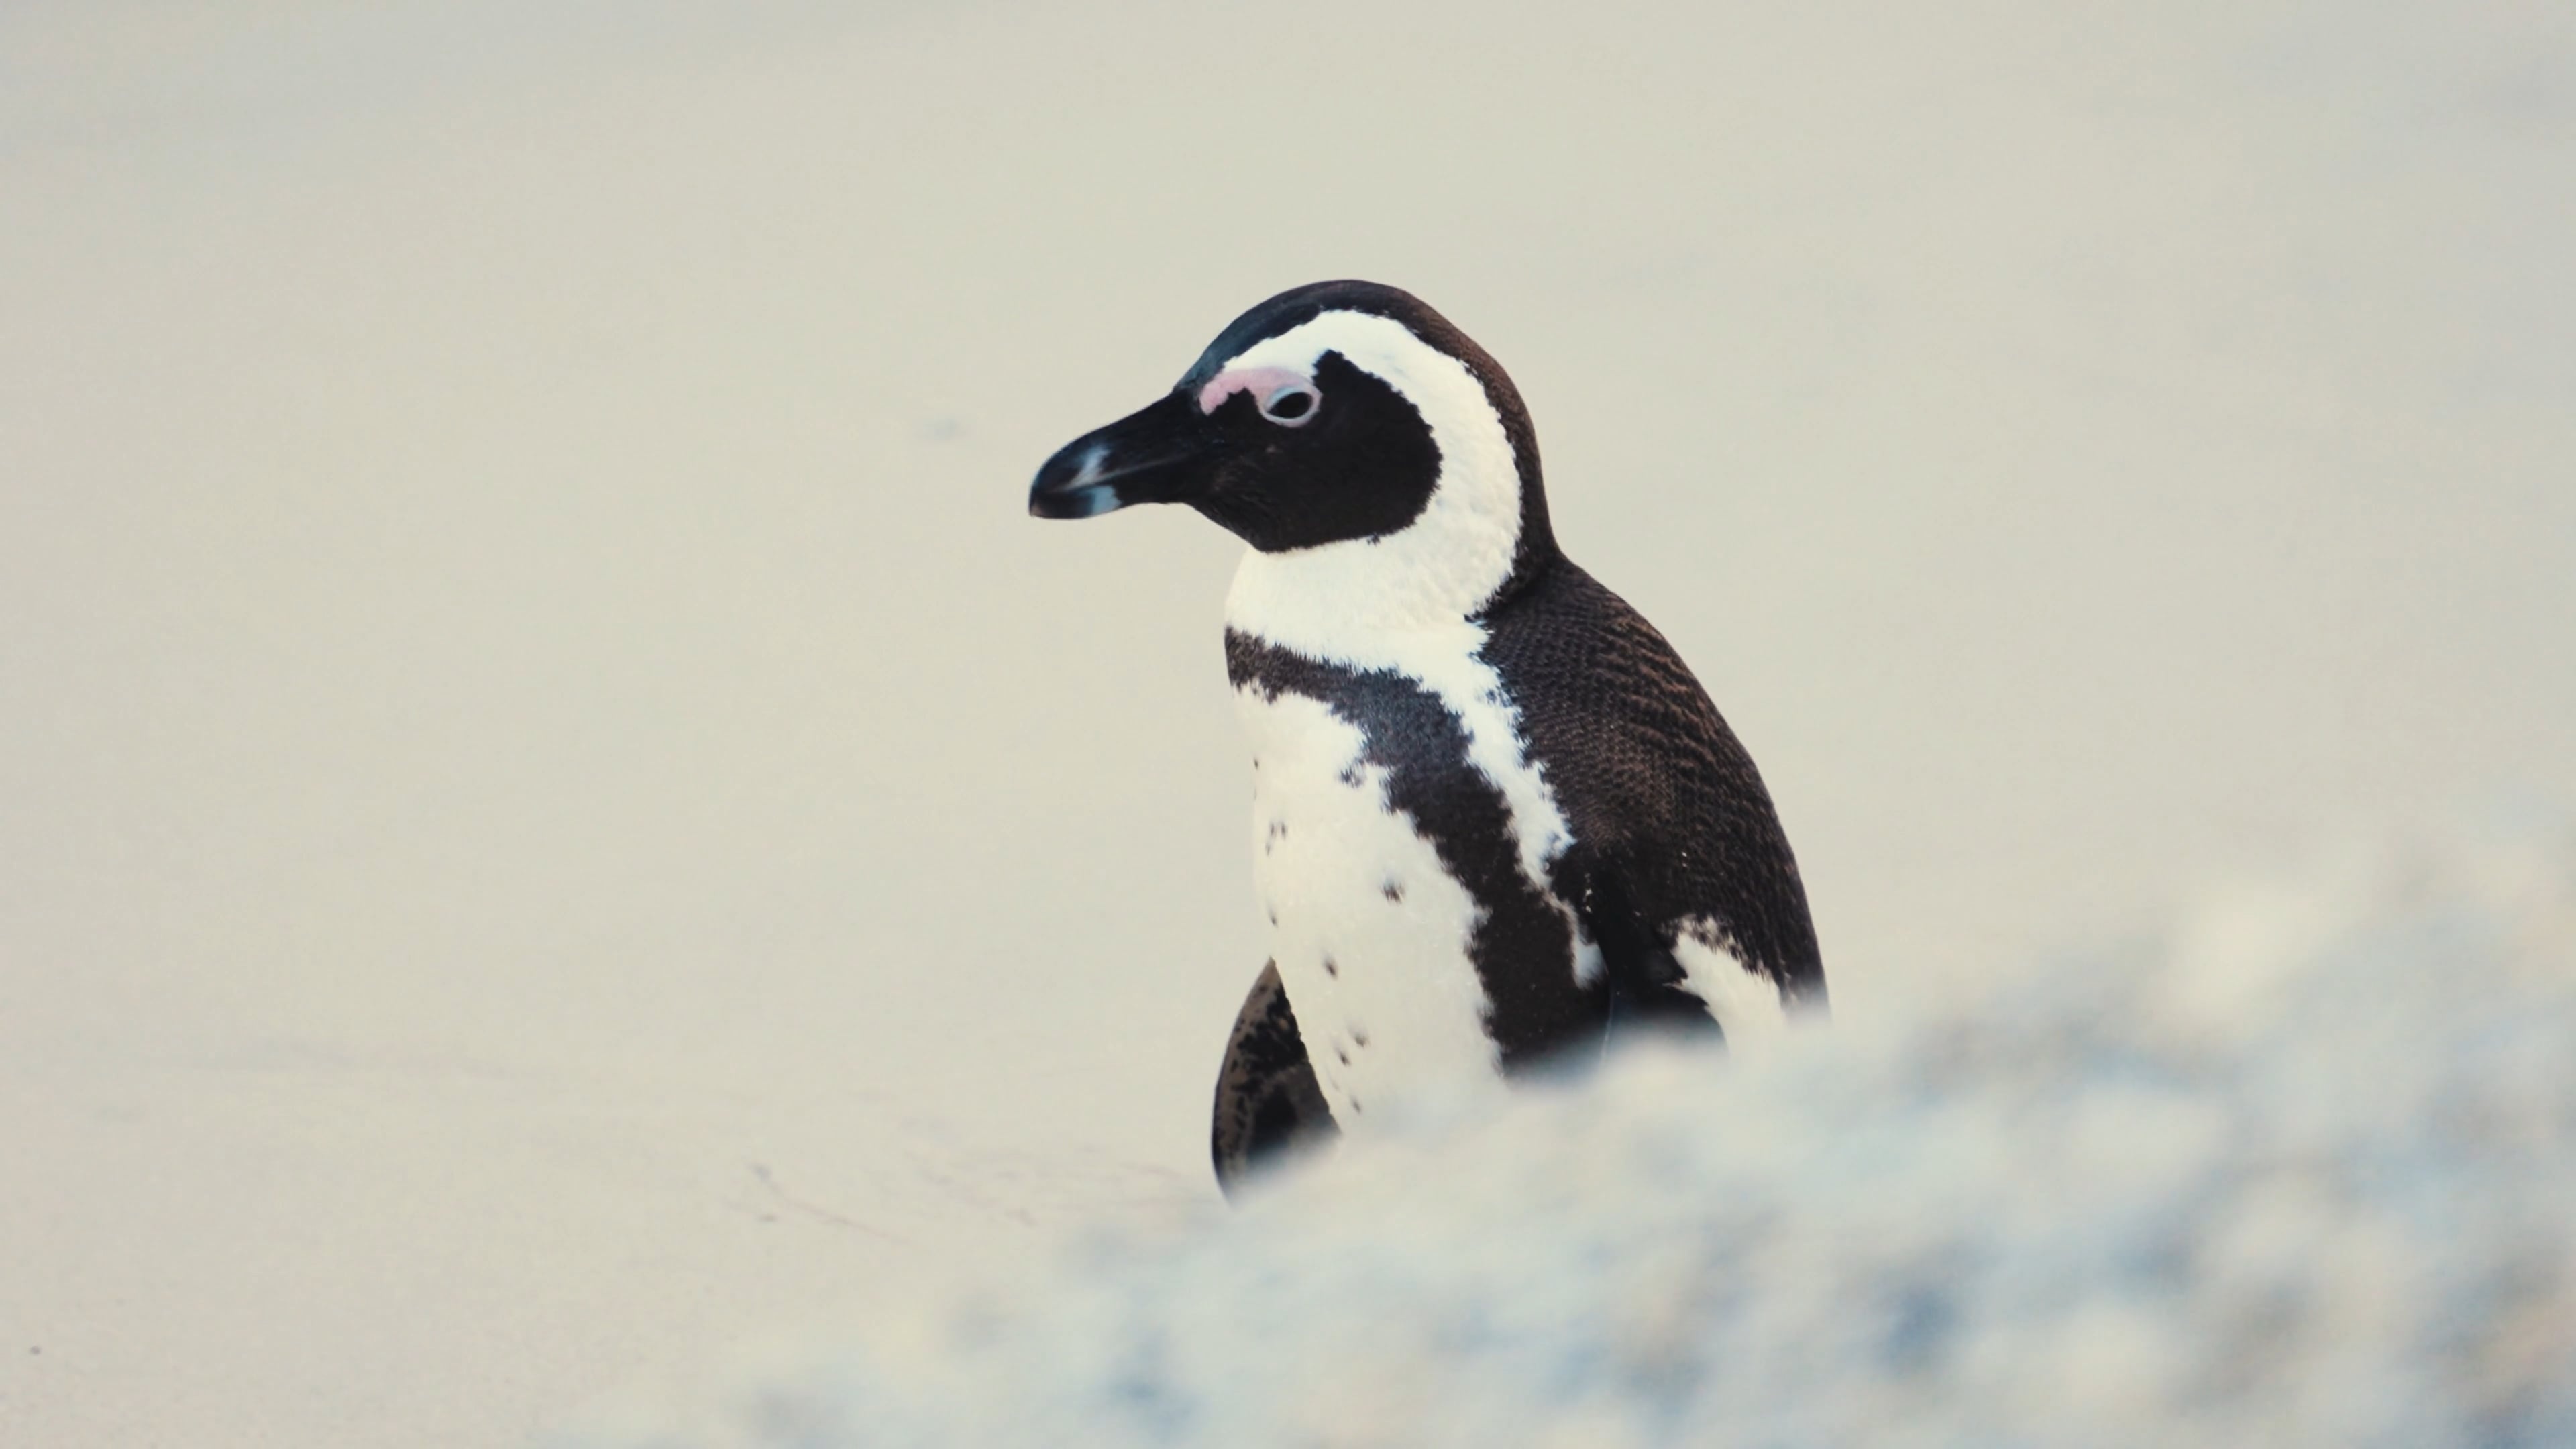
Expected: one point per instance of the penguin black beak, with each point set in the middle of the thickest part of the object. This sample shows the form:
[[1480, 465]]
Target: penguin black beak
[[1166, 453]]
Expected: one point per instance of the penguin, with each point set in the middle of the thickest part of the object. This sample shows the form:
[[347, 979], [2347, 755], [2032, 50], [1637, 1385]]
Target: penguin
[[1496, 820]]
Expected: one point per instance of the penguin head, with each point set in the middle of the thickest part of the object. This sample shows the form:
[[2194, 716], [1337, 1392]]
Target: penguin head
[[1338, 416]]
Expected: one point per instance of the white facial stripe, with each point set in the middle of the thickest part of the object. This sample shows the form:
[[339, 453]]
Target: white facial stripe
[[1439, 569], [1402, 601]]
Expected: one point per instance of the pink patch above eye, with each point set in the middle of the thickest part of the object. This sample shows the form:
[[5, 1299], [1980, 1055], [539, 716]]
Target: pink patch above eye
[[1261, 382]]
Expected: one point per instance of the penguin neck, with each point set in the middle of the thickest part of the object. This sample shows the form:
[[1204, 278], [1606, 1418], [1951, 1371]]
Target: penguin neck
[[1347, 602]]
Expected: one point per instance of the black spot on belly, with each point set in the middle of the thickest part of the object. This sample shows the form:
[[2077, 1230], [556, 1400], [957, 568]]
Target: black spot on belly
[[1332, 970], [1522, 948]]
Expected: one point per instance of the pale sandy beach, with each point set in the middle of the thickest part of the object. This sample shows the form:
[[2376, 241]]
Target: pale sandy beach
[[556, 815]]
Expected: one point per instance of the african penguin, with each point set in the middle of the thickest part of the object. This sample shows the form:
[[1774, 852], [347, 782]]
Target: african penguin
[[1494, 815]]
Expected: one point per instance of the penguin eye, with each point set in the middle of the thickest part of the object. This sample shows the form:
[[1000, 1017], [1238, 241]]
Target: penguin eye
[[1290, 407]]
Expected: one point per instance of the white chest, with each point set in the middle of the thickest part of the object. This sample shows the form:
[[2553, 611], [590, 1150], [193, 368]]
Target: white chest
[[1370, 935]]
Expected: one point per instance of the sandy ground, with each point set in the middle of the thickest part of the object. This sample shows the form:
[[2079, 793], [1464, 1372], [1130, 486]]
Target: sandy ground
[[555, 814], [2292, 1169]]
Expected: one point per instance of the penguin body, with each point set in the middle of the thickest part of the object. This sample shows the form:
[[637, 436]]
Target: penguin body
[[1495, 816]]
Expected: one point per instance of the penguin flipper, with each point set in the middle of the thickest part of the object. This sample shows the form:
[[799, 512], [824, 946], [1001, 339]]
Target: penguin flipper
[[1674, 828], [1267, 1100], [1645, 984]]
